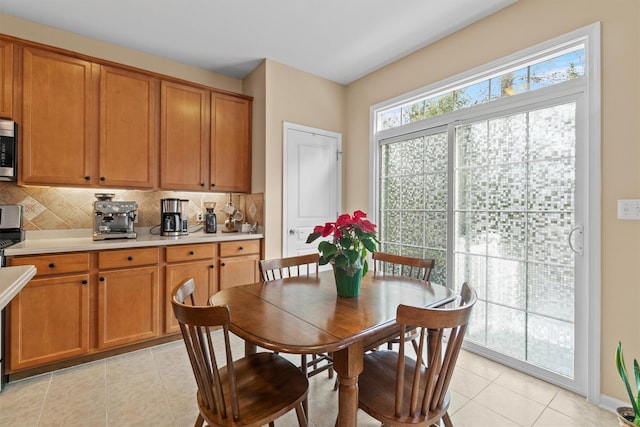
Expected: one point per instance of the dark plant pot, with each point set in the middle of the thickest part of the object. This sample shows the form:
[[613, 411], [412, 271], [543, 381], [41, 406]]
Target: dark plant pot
[[347, 282], [625, 417]]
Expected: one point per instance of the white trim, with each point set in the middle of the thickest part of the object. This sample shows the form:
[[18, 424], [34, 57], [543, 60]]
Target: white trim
[[589, 193]]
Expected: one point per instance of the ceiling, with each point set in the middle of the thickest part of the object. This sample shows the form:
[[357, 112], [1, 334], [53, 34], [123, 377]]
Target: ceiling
[[340, 40]]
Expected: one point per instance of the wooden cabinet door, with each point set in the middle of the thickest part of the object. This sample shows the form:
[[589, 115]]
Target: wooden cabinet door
[[202, 272], [184, 137], [49, 321], [128, 128], [238, 271], [128, 306], [59, 116], [6, 79], [230, 143]]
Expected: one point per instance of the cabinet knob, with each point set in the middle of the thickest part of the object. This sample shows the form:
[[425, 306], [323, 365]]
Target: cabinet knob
[[87, 178], [102, 178], [101, 279], [213, 184], [52, 265], [191, 253], [202, 184], [84, 282], [240, 248], [222, 264], [212, 266], [130, 258]]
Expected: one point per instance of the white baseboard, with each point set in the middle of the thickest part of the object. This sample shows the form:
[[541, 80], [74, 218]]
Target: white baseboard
[[610, 404]]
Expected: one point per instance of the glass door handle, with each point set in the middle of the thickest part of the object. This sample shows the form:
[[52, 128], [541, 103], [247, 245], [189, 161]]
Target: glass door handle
[[579, 246]]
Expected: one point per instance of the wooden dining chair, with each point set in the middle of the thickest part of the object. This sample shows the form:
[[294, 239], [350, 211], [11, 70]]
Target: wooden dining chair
[[251, 391], [398, 390], [301, 265], [397, 265], [388, 264]]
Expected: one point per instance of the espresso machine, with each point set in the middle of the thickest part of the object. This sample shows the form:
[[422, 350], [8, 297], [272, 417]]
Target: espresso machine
[[173, 218], [113, 219]]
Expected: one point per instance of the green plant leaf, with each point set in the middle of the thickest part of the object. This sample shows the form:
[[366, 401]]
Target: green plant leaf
[[365, 267], [369, 244], [622, 370], [340, 260], [313, 236]]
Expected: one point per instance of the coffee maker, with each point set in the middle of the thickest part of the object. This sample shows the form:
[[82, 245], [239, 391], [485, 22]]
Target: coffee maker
[[113, 219], [173, 217]]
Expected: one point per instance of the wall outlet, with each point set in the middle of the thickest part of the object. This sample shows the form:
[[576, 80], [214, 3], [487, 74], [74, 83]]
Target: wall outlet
[[199, 217], [628, 209]]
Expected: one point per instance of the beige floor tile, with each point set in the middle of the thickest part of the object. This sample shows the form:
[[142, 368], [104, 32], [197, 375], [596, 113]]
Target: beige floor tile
[[474, 415], [513, 406], [533, 388], [21, 402], [479, 365], [467, 383], [577, 407], [553, 418]]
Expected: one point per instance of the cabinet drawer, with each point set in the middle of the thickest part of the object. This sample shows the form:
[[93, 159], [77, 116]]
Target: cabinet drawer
[[55, 263], [190, 252], [240, 247], [127, 258]]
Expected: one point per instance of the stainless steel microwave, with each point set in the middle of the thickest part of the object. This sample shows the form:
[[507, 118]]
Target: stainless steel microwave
[[8, 150]]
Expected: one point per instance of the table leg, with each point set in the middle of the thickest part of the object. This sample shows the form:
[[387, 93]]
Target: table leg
[[249, 348], [348, 364]]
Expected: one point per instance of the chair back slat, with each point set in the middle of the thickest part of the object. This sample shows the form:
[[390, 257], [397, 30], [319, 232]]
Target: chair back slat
[[443, 330], [280, 268], [397, 265], [196, 323]]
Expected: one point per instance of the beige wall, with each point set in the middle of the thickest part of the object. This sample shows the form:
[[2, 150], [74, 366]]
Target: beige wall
[[517, 27], [296, 97], [32, 31]]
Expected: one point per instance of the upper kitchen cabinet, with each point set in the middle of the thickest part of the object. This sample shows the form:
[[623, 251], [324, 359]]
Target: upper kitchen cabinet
[[6, 79], [184, 137], [128, 128], [230, 143], [59, 114]]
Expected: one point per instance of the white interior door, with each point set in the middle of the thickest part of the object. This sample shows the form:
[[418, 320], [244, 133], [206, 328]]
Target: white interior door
[[312, 179]]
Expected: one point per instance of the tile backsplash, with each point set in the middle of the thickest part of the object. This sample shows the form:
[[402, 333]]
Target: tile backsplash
[[56, 208]]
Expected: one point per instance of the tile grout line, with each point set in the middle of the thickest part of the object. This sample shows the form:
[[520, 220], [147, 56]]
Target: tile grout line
[[44, 400]]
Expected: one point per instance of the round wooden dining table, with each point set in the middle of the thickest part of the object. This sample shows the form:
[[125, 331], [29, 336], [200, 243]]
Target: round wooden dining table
[[304, 315]]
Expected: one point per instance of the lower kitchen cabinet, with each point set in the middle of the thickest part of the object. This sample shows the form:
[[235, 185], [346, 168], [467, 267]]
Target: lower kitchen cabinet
[[239, 263], [50, 321], [81, 304], [128, 298], [184, 262]]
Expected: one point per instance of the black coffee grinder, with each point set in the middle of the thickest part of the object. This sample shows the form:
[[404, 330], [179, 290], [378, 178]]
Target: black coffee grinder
[[210, 220]]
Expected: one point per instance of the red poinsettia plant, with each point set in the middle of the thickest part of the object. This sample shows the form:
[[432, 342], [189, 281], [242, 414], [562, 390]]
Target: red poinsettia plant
[[351, 237]]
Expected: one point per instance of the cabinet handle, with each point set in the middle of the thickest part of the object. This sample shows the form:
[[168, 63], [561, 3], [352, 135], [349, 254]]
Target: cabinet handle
[[102, 178], [52, 265], [87, 178], [202, 184], [240, 248], [84, 282], [222, 264], [101, 279], [130, 258], [191, 253], [212, 266], [213, 184]]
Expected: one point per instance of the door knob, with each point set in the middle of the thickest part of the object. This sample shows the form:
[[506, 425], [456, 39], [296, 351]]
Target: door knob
[[292, 231]]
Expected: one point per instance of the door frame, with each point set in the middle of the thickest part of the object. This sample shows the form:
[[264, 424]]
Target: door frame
[[286, 126]]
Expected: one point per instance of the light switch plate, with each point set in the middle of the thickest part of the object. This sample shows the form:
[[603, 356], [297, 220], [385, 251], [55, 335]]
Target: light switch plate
[[628, 209]]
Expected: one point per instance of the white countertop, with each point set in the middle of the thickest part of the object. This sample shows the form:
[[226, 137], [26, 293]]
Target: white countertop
[[12, 280], [53, 241]]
